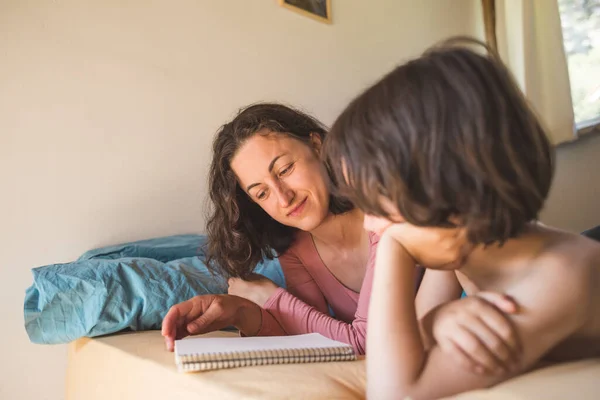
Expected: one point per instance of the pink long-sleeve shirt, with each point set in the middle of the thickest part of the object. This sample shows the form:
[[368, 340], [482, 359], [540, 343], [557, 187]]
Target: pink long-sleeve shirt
[[311, 288]]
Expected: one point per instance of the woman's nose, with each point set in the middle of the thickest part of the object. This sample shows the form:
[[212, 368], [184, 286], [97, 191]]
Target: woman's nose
[[285, 195]]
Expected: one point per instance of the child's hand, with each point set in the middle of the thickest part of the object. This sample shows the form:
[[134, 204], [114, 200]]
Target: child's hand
[[476, 331], [432, 247], [257, 288]]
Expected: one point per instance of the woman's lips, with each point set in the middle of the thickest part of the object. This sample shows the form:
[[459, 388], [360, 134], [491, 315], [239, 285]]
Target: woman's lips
[[298, 209]]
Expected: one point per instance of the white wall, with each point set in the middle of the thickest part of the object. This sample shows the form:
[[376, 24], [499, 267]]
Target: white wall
[[108, 108], [574, 202]]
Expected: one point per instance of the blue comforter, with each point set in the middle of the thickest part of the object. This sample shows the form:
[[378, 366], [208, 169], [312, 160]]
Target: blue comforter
[[129, 286]]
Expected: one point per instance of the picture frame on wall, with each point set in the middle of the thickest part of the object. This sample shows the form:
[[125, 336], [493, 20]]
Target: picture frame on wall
[[319, 10]]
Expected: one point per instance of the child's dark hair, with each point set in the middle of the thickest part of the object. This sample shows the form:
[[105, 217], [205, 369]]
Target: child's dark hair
[[240, 232], [448, 134]]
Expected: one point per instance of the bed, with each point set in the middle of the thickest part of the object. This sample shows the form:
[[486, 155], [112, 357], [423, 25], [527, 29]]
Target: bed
[[136, 366]]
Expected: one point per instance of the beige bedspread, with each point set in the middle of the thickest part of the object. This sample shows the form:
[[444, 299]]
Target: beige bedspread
[[135, 366]]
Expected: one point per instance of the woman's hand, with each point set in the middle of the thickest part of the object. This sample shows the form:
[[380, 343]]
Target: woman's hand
[[477, 332], [256, 288], [207, 313]]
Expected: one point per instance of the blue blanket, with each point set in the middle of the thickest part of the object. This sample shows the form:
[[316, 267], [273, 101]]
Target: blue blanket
[[129, 286]]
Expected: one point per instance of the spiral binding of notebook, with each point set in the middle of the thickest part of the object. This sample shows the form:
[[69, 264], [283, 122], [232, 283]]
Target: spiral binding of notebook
[[220, 353]]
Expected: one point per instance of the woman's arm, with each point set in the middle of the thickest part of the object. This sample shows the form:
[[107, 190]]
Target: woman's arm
[[300, 283], [263, 292], [303, 309]]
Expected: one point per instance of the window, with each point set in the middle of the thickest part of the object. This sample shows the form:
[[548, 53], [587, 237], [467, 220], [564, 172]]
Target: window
[[580, 20]]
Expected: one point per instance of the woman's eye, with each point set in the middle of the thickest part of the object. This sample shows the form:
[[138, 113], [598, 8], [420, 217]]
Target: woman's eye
[[286, 170], [261, 195]]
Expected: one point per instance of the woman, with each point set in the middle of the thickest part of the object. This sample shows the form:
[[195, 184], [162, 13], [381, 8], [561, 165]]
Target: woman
[[270, 193]]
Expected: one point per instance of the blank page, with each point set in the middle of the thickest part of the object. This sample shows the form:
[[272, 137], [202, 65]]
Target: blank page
[[192, 346]]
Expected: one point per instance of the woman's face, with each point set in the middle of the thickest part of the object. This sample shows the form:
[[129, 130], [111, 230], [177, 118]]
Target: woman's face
[[285, 177]]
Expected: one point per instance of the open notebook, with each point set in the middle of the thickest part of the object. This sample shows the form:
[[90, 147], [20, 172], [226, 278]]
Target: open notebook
[[203, 354]]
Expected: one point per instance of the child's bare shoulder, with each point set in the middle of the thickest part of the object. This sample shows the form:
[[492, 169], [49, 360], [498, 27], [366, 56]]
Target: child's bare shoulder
[[569, 252], [565, 264], [572, 262]]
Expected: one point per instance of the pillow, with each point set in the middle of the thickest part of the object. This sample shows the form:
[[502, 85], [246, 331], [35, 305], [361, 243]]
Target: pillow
[[163, 249], [129, 286]]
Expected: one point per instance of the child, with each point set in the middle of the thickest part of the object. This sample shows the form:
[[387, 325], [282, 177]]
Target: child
[[452, 168]]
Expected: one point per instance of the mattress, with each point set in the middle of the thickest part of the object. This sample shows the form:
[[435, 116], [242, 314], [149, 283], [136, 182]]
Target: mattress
[[136, 366]]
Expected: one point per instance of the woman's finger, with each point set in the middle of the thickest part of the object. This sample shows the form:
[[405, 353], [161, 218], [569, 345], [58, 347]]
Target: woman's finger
[[203, 323], [170, 322], [169, 343], [173, 324]]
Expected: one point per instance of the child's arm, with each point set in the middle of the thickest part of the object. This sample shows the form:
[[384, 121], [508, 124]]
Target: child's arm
[[476, 331], [398, 365], [437, 287], [396, 352]]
